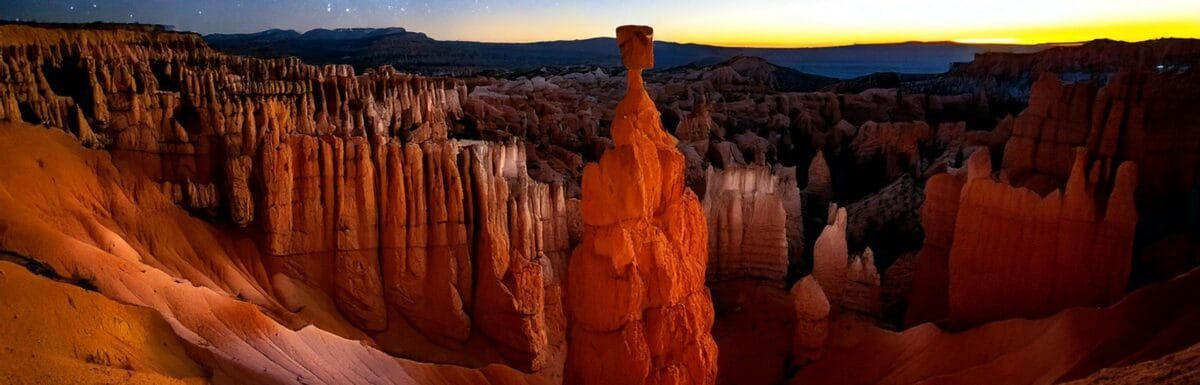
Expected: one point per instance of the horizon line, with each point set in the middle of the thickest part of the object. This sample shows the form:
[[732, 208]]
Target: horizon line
[[750, 45]]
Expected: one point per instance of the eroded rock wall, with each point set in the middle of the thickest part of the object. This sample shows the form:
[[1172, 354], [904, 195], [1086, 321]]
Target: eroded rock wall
[[754, 222], [1015, 253], [348, 182]]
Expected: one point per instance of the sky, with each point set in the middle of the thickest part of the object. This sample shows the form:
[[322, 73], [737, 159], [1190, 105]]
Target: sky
[[759, 23]]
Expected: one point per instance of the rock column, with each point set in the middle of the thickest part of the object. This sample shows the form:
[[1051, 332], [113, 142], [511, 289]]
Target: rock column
[[638, 309]]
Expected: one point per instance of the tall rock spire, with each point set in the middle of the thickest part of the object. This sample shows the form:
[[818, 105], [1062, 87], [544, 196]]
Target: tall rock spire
[[638, 308]]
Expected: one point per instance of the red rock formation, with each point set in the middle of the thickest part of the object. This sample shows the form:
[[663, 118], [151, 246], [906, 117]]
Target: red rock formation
[[1045, 135], [754, 226], [753, 222], [882, 105], [348, 182], [850, 283], [521, 236], [1137, 116], [831, 256], [1145, 325], [861, 293], [1176, 368], [897, 143], [888, 219], [928, 298], [1016, 254], [812, 321], [820, 187], [638, 309], [114, 229], [697, 128], [753, 331]]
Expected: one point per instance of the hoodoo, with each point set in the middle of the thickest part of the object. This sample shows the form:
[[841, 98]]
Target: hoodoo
[[638, 309]]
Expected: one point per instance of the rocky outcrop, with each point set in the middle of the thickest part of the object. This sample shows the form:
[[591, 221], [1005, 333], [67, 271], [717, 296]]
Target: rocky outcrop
[[888, 220], [116, 233], [1077, 246], [1013, 253], [861, 294], [638, 309], [882, 105], [850, 283], [831, 256], [820, 187], [812, 321], [1074, 343], [521, 242], [959, 143], [1166, 370], [347, 182], [928, 299], [1045, 135], [451, 216], [1136, 116], [896, 143], [754, 222], [696, 129]]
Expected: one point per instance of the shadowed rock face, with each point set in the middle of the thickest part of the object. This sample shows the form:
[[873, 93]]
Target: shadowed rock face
[[1016, 254], [638, 309], [812, 321], [850, 283], [1144, 325]]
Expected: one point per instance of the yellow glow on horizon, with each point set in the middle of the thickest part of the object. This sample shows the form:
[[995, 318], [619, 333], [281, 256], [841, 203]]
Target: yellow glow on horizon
[[816, 23], [988, 40], [1125, 30]]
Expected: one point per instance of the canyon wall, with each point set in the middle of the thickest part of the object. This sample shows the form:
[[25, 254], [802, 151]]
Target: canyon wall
[[1013, 253], [348, 183], [1138, 116], [111, 230]]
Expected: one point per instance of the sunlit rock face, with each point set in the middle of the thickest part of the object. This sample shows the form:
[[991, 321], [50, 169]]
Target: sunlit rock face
[[638, 309], [753, 222], [435, 248], [113, 231]]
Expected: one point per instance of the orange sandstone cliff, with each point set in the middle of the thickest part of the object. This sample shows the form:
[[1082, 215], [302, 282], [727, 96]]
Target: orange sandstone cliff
[[337, 189], [638, 309]]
